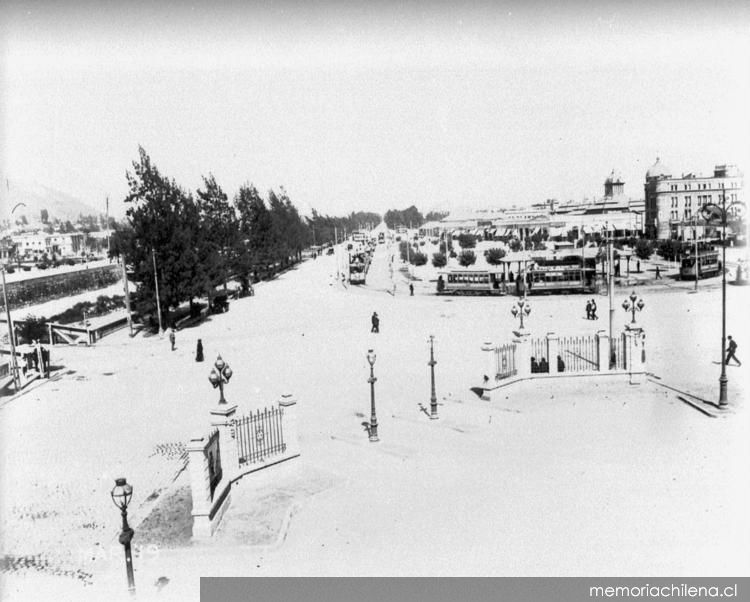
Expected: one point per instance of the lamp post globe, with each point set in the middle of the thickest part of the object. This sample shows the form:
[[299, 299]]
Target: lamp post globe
[[633, 304], [433, 396], [121, 494], [219, 376], [373, 416]]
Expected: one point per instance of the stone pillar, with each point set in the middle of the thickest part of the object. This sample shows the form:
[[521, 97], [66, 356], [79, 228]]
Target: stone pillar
[[288, 403], [221, 418], [603, 350], [490, 364], [634, 355], [199, 485], [523, 356], [553, 350]]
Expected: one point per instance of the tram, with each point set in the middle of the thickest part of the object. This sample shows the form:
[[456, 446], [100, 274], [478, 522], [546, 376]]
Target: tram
[[474, 282], [570, 274], [708, 265]]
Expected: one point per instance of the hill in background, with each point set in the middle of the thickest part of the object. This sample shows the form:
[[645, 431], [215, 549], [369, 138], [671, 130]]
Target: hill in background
[[59, 205]]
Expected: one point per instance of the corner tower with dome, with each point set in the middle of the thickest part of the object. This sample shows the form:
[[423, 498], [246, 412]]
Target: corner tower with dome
[[673, 202]]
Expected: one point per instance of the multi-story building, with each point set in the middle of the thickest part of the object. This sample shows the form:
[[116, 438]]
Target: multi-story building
[[65, 245], [32, 246], [673, 203]]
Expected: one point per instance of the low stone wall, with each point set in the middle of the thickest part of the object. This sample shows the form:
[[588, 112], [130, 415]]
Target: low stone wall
[[214, 463], [54, 286], [624, 357]]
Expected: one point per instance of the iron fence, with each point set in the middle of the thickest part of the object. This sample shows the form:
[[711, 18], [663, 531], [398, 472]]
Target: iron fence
[[618, 352], [579, 354], [539, 352], [259, 435], [505, 361]]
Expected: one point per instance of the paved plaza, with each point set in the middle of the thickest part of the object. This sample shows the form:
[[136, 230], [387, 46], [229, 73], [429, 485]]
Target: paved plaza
[[575, 476]]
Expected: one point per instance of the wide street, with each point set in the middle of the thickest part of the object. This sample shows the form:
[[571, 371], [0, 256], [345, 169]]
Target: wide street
[[581, 477]]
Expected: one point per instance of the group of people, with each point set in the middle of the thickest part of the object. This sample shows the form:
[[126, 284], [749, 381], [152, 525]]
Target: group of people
[[543, 366], [591, 310]]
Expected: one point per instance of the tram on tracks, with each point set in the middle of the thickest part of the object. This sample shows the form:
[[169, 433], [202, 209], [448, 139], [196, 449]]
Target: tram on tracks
[[708, 265], [568, 274]]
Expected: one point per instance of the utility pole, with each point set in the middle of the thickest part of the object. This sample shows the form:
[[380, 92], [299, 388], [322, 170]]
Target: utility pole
[[11, 338], [610, 288], [106, 217], [156, 284], [127, 294], [695, 232]]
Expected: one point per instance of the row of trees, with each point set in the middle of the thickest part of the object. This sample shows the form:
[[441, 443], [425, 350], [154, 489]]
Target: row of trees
[[196, 242]]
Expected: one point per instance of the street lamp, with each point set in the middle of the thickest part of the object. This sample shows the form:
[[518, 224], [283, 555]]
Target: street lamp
[[433, 397], [15, 373], [633, 304], [373, 418], [521, 307], [220, 375], [121, 495], [712, 212]]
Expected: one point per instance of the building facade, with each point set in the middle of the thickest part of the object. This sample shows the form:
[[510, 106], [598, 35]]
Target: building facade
[[673, 203]]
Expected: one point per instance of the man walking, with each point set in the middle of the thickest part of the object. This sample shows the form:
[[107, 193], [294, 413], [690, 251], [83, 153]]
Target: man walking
[[588, 310], [172, 338], [658, 273], [411, 289], [730, 352], [375, 322], [593, 310]]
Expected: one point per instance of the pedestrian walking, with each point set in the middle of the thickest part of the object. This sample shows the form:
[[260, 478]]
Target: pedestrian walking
[[638, 266], [658, 273], [375, 322], [588, 309], [730, 352], [593, 310], [172, 338], [411, 289], [199, 351]]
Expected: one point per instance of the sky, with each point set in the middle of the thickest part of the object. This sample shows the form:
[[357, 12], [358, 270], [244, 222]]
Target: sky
[[372, 105]]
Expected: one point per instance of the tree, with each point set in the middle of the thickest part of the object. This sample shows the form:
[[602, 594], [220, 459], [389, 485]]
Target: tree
[[435, 216], [409, 217], [467, 258], [514, 244], [165, 223], [217, 233], [669, 249], [643, 248], [419, 258], [255, 229], [494, 256], [467, 241], [439, 260], [44, 216]]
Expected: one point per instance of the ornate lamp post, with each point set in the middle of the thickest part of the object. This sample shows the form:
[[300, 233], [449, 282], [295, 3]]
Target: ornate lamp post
[[121, 495], [521, 307], [633, 304], [433, 397], [220, 375], [373, 418], [712, 212]]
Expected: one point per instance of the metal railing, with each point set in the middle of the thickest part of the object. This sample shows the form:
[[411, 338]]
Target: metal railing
[[505, 361], [580, 354], [539, 353], [259, 435]]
